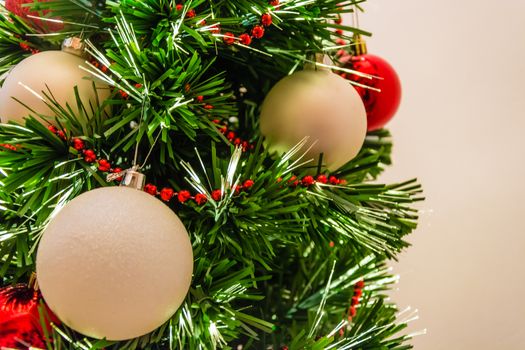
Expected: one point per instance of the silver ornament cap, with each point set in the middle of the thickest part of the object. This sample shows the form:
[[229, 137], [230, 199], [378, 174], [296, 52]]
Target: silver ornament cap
[[134, 179], [74, 45]]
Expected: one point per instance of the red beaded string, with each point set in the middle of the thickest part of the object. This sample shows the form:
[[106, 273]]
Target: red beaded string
[[167, 194], [25, 46], [8, 147], [229, 38], [356, 299], [354, 303], [256, 32], [232, 137]]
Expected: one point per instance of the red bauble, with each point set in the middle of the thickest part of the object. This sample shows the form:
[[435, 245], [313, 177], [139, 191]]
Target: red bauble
[[22, 9], [20, 326], [380, 106]]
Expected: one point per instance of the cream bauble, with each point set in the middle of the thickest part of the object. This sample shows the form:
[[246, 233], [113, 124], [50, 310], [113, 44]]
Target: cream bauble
[[114, 263], [320, 105], [61, 72]]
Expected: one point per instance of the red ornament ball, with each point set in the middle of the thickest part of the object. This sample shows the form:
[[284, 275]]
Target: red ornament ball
[[19, 8], [20, 325], [381, 106]]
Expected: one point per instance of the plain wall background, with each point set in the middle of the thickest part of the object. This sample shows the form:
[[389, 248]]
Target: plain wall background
[[460, 130]]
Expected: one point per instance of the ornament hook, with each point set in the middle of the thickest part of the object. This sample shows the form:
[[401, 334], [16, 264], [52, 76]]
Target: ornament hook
[[360, 47]]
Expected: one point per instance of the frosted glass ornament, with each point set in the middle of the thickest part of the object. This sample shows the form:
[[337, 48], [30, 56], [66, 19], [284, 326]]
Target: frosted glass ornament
[[61, 72], [114, 263], [318, 104]]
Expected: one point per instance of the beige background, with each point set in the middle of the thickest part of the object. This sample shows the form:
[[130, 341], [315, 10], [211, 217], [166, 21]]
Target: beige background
[[460, 130]]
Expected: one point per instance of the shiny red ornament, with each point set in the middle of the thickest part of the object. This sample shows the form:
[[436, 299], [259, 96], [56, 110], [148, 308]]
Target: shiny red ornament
[[20, 325], [17, 7], [380, 106]]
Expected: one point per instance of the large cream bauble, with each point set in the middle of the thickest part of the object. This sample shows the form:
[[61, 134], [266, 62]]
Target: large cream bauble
[[114, 263], [320, 105], [61, 72]]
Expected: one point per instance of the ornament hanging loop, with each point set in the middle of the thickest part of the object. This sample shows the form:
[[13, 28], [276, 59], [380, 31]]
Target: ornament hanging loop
[[132, 177], [33, 282], [359, 43]]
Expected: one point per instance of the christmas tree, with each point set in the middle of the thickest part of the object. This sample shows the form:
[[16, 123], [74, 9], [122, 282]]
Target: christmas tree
[[196, 175]]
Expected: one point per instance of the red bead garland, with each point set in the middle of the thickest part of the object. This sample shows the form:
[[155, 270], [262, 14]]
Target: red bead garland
[[78, 144], [8, 147], [89, 156], [99, 65], [25, 46], [245, 39], [258, 32], [229, 38], [266, 20], [322, 179], [103, 165], [191, 13], [355, 300], [232, 137], [308, 181], [151, 189], [166, 194], [184, 196], [248, 184], [201, 199], [216, 195]]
